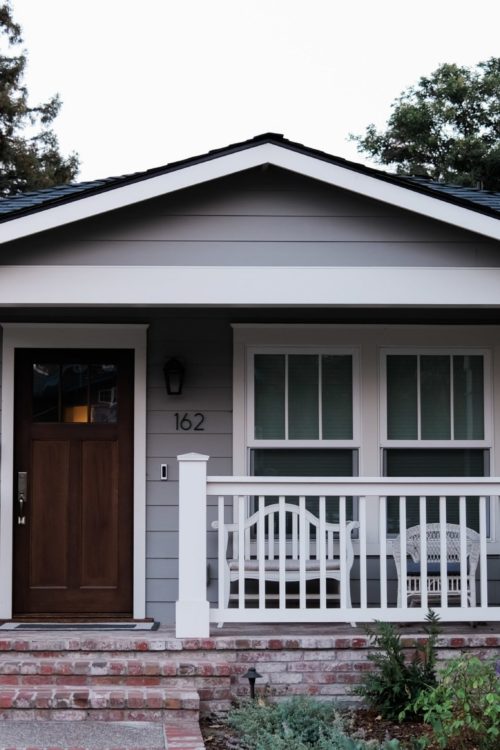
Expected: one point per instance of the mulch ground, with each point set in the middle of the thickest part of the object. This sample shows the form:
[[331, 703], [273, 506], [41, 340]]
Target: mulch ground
[[366, 724]]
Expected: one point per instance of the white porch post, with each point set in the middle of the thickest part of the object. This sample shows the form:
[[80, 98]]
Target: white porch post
[[192, 608]]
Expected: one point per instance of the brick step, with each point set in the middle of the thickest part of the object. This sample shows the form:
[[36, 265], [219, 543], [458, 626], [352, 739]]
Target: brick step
[[105, 667], [97, 642], [119, 703]]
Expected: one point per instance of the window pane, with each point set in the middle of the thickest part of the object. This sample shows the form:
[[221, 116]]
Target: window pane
[[269, 396], [322, 462], [402, 462], [303, 418], [435, 397], [75, 381], [318, 462], [337, 396], [402, 421], [468, 398], [45, 393], [103, 394]]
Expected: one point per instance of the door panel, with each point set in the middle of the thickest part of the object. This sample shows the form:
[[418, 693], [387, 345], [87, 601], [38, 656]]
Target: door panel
[[100, 513], [49, 514], [73, 436]]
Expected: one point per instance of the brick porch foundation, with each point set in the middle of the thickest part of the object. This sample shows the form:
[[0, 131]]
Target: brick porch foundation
[[161, 678]]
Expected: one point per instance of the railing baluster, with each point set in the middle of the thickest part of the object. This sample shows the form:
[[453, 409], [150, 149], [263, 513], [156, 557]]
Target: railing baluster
[[443, 551], [241, 552], [330, 545], [261, 552], [221, 548], [321, 551], [402, 536], [248, 549], [270, 536], [282, 552], [295, 537], [302, 552], [462, 520], [423, 553], [343, 553], [362, 553], [382, 525], [483, 563]]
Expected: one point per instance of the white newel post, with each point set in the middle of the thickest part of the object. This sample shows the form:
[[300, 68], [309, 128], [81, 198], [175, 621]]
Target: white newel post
[[192, 618]]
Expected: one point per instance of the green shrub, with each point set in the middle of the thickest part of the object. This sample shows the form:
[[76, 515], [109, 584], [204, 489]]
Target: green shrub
[[393, 687], [465, 705], [296, 724]]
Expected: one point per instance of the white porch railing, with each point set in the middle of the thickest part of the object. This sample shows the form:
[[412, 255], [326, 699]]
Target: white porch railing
[[270, 548]]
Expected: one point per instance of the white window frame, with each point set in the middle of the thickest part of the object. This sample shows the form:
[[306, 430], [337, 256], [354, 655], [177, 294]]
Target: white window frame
[[486, 442]]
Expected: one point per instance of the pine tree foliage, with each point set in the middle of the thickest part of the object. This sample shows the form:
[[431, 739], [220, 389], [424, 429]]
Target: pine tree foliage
[[29, 150], [446, 127]]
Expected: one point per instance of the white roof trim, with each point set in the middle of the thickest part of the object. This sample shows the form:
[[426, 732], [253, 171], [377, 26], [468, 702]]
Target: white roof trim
[[253, 156], [255, 286]]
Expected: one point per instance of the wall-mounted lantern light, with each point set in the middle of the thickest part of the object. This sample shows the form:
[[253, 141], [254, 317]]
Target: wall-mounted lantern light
[[251, 676], [173, 372]]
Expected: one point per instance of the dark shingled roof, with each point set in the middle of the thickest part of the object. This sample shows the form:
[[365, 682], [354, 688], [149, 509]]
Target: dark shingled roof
[[482, 201], [480, 197], [38, 198]]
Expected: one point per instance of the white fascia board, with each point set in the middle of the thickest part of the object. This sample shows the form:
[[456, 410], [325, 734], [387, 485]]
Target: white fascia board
[[127, 195], [249, 286], [254, 156]]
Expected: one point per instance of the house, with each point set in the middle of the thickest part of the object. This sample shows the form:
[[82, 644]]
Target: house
[[330, 336]]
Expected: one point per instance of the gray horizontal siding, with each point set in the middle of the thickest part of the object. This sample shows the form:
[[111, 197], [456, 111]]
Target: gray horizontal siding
[[272, 218], [475, 253], [204, 342], [400, 228]]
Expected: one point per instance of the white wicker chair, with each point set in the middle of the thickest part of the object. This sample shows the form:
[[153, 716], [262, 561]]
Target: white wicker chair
[[413, 581]]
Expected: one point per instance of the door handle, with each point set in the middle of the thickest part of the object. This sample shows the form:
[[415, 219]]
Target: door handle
[[22, 487]]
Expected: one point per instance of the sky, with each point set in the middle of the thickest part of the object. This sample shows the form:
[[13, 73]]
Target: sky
[[150, 82]]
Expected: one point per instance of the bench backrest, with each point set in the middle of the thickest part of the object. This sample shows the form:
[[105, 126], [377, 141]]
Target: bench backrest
[[293, 521]]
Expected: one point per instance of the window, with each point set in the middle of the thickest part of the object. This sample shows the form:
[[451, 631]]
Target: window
[[302, 416], [302, 396], [434, 424], [75, 392], [435, 397]]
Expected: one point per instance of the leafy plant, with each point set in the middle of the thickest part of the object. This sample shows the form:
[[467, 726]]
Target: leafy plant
[[297, 724], [444, 127], [464, 707], [393, 687]]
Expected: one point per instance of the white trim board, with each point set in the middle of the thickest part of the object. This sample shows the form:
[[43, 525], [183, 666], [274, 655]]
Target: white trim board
[[253, 156], [41, 336], [254, 286]]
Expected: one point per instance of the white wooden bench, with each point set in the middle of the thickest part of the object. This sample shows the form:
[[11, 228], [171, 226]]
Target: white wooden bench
[[305, 548]]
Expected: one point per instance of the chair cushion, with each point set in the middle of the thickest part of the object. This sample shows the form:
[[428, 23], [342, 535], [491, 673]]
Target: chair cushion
[[294, 565], [433, 568]]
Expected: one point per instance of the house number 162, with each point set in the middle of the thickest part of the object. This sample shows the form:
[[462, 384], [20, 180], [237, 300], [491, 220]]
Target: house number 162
[[187, 421]]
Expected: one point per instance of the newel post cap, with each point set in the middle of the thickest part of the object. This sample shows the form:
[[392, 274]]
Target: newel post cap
[[192, 457]]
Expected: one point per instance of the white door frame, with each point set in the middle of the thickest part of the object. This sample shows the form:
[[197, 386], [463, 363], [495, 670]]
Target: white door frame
[[72, 336]]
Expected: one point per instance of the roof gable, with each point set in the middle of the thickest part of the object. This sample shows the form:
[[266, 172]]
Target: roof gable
[[70, 203]]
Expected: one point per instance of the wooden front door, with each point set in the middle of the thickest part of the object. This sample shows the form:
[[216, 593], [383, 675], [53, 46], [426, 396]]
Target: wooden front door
[[74, 452]]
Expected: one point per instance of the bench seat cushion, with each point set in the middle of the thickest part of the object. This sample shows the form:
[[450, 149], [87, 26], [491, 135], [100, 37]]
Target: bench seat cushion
[[433, 568], [290, 565]]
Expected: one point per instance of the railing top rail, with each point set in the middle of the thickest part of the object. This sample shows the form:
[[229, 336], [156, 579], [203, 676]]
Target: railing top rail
[[365, 486]]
